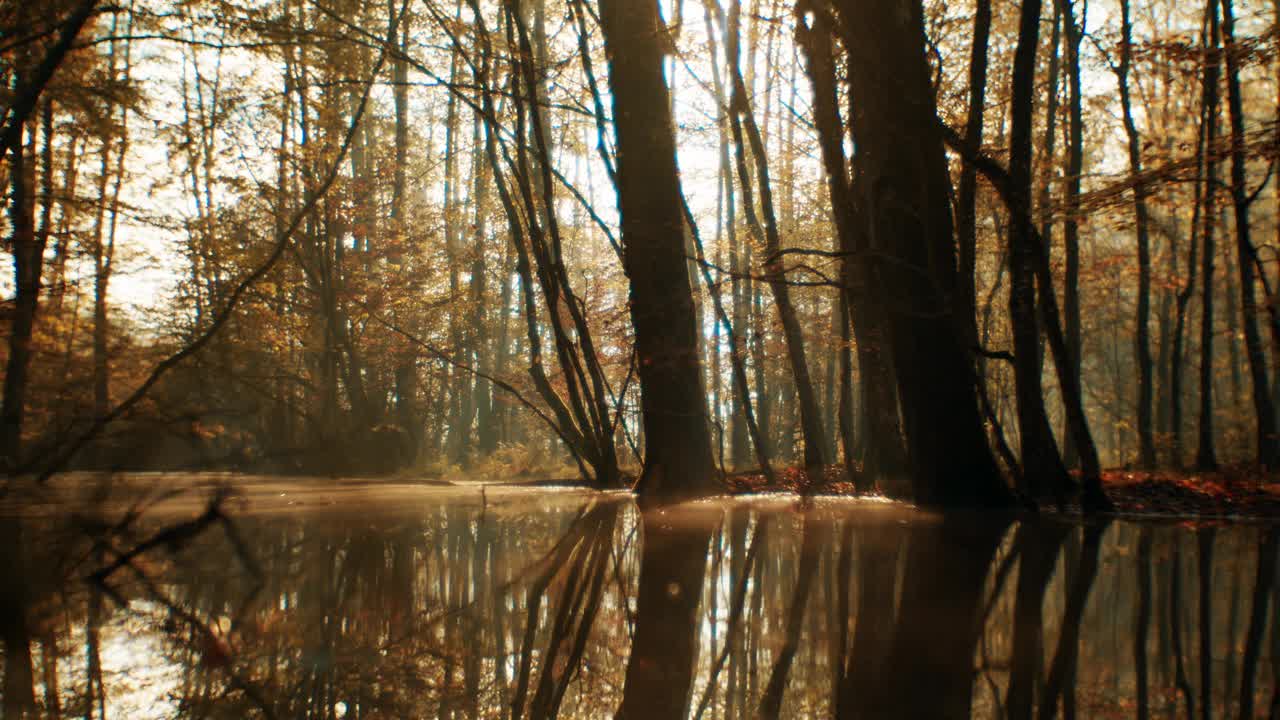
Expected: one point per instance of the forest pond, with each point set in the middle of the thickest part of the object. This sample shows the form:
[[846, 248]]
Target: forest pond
[[331, 599]]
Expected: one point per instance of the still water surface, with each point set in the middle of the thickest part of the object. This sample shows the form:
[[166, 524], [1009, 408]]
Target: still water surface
[[331, 600]]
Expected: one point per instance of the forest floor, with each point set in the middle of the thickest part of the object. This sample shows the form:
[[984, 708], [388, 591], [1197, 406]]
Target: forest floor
[[1232, 492]]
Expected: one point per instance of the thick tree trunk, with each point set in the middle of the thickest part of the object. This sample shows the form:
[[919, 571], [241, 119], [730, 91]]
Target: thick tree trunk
[[678, 459], [859, 303], [904, 177]]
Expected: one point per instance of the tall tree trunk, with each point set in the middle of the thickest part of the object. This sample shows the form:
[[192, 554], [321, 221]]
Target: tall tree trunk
[[460, 381], [28, 262], [967, 194], [678, 459], [745, 421], [1206, 457], [901, 159], [1043, 472], [742, 119], [885, 455], [1185, 293], [405, 372], [1268, 445], [1071, 225], [1142, 338], [483, 391]]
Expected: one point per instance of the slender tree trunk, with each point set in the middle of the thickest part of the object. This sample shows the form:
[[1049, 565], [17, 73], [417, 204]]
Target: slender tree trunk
[[1043, 472], [1071, 225], [458, 436], [742, 118], [1185, 293], [1268, 445], [967, 194], [28, 262], [1142, 339], [1206, 457], [744, 424]]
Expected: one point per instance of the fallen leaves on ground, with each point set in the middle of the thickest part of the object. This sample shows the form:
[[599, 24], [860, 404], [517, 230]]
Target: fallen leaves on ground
[[1232, 492]]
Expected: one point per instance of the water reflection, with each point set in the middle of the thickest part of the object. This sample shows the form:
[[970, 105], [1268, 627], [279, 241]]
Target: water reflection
[[523, 605]]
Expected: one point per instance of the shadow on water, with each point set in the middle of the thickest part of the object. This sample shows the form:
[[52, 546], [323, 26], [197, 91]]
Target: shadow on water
[[536, 604]]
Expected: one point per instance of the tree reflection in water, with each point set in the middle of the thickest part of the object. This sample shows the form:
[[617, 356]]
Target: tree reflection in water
[[508, 605]]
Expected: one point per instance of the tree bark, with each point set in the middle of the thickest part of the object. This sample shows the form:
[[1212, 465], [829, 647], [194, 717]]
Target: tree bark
[[1043, 472], [1268, 445], [905, 181], [1074, 34], [967, 194], [678, 460], [28, 263], [1142, 338], [1206, 457], [859, 304]]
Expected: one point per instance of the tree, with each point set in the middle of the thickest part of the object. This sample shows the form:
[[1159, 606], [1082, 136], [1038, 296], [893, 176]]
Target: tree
[[902, 175], [1206, 456], [1142, 339], [1043, 471], [1266, 440], [678, 458]]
